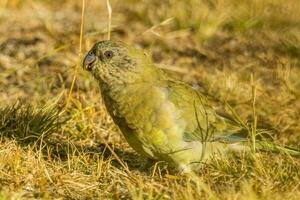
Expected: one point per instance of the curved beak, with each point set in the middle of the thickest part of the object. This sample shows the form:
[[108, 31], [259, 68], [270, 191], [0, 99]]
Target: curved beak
[[89, 60]]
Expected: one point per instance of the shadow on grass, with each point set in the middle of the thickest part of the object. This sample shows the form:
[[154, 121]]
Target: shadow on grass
[[61, 150], [35, 126]]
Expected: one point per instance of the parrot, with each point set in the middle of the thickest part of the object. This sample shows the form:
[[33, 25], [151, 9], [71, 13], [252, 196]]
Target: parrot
[[160, 117]]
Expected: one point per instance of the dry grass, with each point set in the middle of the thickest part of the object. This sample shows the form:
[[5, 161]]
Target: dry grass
[[50, 150]]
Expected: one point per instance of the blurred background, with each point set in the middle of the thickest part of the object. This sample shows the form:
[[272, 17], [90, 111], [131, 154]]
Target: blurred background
[[215, 45]]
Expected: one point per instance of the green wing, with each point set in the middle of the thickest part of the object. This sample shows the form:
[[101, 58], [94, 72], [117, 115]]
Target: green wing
[[202, 121], [204, 124]]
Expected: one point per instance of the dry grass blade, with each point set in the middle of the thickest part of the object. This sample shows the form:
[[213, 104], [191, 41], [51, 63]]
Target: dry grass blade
[[254, 123], [109, 10], [79, 53]]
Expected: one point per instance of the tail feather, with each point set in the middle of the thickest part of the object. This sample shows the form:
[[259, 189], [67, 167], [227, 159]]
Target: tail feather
[[237, 143], [269, 146]]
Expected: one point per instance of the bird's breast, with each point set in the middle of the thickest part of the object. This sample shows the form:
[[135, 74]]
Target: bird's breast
[[146, 110]]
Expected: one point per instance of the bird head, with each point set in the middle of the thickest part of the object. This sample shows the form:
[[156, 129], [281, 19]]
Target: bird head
[[112, 61], [105, 53]]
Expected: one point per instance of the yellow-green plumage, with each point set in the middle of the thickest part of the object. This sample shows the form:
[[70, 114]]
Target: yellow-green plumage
[[160, 117]]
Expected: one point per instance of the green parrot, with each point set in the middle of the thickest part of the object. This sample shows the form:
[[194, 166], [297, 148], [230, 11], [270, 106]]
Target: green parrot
[[162, 118]]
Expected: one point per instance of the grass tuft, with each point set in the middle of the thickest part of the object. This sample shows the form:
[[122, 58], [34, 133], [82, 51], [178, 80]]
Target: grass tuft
[[28, 124]]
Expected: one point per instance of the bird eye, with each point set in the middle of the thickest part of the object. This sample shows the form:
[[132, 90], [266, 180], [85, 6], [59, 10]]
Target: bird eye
[[108, 54]]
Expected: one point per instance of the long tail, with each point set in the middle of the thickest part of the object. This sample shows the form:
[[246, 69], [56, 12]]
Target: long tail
[[238, 143], [269, 146]]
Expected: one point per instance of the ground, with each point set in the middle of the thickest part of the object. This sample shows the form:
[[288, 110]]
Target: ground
[[57, 141]]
